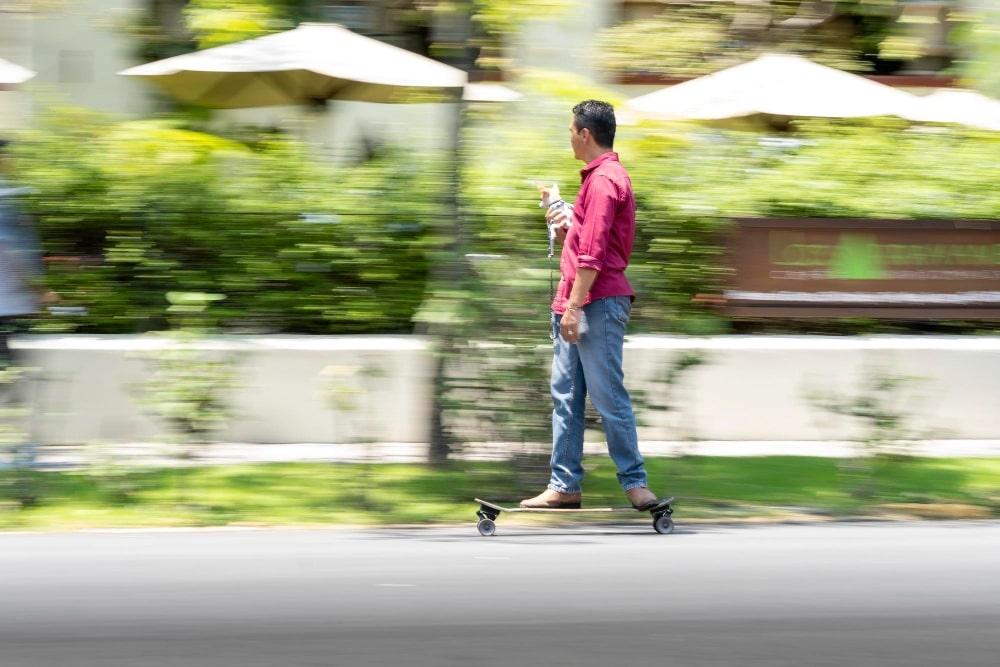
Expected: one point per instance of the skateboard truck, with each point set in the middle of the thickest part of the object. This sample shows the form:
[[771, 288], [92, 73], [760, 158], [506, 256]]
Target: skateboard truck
[[487, 520]]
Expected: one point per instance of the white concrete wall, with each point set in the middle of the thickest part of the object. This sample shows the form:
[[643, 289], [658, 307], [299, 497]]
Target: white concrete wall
[[15, 46], [748, 389], [86, 388], [564, 40], [756, 388], [77, 48]]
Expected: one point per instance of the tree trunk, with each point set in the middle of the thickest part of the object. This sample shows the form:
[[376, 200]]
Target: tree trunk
[[454, 30]]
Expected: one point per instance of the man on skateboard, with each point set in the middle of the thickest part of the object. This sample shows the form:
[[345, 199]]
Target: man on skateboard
[[589, 313]]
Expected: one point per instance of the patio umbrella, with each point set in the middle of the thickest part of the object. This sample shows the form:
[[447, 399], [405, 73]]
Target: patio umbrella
[[12, 75], [312, 63], [773, 84], [490, 92], [964, 107]]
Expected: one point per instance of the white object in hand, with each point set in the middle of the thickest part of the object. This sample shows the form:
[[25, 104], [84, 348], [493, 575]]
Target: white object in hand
[[550, 199]]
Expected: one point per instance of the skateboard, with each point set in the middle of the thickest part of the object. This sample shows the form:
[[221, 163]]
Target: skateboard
[[488, 513]]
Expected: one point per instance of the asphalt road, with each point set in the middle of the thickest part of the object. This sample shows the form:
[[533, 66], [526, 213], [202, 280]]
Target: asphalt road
[[904, 594]]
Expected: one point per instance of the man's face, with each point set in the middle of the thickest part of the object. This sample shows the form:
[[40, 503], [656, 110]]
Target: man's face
[[577, 139]]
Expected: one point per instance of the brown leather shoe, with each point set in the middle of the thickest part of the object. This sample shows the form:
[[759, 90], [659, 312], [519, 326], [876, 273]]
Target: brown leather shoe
[[641, 498], [553, 500]]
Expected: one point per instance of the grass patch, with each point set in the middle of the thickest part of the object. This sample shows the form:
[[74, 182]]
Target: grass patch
[[316, 493]]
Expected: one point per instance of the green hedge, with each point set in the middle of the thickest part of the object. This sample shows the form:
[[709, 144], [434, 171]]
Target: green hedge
[[129, 212]]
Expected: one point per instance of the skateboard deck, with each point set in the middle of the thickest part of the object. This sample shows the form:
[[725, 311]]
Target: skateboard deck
[[489, 512], [662, 504]]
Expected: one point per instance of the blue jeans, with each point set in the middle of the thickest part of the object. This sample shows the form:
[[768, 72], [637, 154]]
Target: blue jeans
[[594, 365]]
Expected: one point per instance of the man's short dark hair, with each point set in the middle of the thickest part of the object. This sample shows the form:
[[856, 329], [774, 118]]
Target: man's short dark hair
[[599, 118]]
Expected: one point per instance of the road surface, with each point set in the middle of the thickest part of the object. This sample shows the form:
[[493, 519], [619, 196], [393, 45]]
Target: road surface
[[883, 594]]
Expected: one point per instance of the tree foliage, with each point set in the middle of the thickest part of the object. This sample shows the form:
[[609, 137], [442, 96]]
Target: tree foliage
[[216, 22], [130, 212], [699, 37], [981, 37]]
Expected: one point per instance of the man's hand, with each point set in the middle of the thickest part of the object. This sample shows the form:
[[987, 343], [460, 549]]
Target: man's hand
[[569, 325]]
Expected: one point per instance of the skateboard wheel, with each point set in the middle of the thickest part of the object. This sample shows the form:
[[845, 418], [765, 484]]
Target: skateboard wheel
[[486, 527], [664, 525]]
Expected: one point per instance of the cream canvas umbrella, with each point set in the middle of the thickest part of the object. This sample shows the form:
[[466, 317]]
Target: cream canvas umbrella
[[963, 107], [12, 75], [314, 62], [490, 92], [774, 84]]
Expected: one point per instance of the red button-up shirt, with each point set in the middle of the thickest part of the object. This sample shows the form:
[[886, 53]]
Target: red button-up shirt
[[602, 233]]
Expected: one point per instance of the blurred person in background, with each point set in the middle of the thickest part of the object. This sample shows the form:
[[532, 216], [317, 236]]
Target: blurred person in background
[[20, 262], [20, 296], [589, 313]]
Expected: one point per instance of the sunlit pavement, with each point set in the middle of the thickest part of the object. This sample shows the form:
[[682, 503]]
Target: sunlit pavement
[[583, 594]]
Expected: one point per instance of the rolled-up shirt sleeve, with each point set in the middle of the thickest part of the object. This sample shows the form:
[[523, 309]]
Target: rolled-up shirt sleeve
[[595, 232]]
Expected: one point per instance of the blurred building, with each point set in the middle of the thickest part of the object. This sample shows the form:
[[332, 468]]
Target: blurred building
[[76, 47]]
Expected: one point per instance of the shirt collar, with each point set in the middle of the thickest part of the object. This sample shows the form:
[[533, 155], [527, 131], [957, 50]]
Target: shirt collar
[[598, 161]]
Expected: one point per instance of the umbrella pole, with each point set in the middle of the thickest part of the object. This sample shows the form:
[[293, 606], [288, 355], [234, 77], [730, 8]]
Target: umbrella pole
[[451, 274]]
